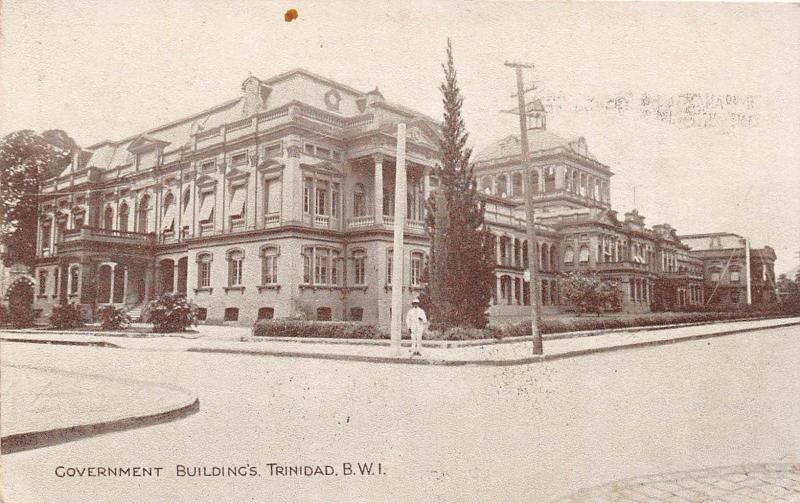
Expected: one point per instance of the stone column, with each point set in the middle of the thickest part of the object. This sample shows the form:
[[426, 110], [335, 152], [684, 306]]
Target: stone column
[[499, 291], [220, 211], [497, 247], [124, 284], [175, 271], [426, 191], [253, 208], [378, 212], [111, 285], [312, 201], [292, 200]]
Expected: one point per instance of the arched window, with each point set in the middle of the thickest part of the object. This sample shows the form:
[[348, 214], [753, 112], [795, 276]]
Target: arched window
[[122, 223], [359, 201], [417, 264], [575, 182], [569, 255], [204, 270], [545, 265], [168, 218], [74, 279], [359, 267], [583, 254], [269, 265], [516, 184], [486, 184], [502, 186], [187, 197], [553, 259], [144, 213], [525, 254], [235, 267], [108, 218]]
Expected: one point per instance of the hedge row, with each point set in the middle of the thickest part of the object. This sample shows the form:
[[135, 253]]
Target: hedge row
[[358, 330], [323, 329]]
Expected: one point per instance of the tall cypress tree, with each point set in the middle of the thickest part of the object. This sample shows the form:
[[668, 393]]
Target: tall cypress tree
[[461, 276]]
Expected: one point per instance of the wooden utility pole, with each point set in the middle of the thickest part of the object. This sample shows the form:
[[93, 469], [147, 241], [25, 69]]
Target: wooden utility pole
[[531, 227], [397, 246]]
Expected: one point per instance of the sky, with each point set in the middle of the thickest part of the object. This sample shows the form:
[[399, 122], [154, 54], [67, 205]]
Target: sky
[[695, 107]]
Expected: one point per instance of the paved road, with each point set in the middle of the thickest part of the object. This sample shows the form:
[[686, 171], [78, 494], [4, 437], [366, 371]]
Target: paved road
[[528, 433]]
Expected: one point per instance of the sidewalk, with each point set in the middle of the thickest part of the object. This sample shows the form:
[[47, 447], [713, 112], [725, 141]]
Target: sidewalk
[[47, 406], [746, 483], [556, 346]]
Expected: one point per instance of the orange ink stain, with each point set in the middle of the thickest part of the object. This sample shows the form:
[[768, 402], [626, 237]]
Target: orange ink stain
[[290, 15]]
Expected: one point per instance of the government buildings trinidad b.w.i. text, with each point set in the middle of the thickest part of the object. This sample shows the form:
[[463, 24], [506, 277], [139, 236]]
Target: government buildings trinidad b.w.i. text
[[281, 202]]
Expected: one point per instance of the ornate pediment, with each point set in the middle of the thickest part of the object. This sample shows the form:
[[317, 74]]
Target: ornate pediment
[[236, 174], [323, 168], [145, 142]]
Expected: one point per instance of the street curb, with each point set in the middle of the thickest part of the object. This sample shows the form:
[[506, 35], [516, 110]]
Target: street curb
[[487, 363], [37, 439], [99, 344], [28, 440]]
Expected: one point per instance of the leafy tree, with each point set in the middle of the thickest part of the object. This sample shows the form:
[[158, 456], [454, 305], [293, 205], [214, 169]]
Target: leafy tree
[[585, 292], [26, 159], [461, 276]]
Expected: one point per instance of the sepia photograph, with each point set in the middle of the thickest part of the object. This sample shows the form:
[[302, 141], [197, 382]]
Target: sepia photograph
[[408, 251]]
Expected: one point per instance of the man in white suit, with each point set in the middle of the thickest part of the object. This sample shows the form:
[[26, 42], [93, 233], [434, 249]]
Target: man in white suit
[[416, 321]]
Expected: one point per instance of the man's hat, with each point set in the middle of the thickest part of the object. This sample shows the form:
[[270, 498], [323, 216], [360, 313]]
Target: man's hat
[[415, 300]]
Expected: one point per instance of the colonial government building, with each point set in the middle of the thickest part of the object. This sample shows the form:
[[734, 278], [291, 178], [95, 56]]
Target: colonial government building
[[281, 201]]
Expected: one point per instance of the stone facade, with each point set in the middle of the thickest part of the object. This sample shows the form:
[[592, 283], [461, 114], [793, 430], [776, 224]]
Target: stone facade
[[281, 202]]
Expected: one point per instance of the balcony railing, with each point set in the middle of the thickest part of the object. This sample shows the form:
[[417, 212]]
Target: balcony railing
[[417, 226], [321, 220], [362, 221], [272, 219], [237, 224], [96, 233], [206, 228]]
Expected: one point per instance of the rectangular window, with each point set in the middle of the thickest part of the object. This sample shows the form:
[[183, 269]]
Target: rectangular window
[[207, 166], [337, 156], [715, 276], [307, 256], [238, 202], [56, 286], [734, 275], [235, 278], [206, 206], [321, 267], [322, 196], [42, 282], [272, 196], [323, 152], [335, 200], [359, 268], [231, 314], [45, 237], [269, 269], [266, 313], [356, 313], [204, 274], [307, 196], [334, 268], [202, 313], [309, 148]]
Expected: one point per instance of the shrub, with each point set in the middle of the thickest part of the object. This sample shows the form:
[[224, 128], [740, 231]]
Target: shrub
[[66, 316], [3, 314], [171, 313], [586, 292], [113, 318], [323, 329]]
